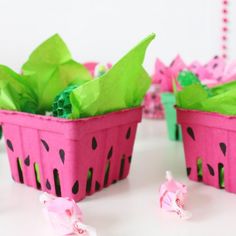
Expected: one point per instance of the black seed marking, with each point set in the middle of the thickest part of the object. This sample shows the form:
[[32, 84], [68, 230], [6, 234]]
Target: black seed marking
[[154, 96], [215, 57], [161, 71], [188, 171], [114, 181], [9, 144], [109, 155], [94, 143], [211, 170], [191, 133], [172, 63], [214, 65], [45, 145], [27, 161], [223, 148], [48, 185], [97, 186], [128, 133], [75, 187], [62, 155]]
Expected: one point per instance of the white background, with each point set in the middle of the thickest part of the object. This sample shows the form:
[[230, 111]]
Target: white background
[[104, 30]]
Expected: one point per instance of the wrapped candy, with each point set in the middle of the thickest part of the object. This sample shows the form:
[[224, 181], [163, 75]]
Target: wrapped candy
[[65, 216], [172, 197]]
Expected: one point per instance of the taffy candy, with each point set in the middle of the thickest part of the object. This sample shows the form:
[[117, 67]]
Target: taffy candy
[[65, 216], [172, 197]]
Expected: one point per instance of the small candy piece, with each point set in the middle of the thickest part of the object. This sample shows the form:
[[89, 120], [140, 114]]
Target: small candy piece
[[65, 216], [172, 197]]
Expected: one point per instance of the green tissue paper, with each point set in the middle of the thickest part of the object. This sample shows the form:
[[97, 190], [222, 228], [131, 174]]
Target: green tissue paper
[[52, 81], [50, 69], [195, 96], [123, 86], [14, 92]]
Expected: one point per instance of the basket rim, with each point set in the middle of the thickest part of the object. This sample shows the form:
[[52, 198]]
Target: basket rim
[[205, 113], [64, 120]]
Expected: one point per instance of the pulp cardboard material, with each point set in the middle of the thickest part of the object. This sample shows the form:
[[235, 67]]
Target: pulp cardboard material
[[70, 158], [174, 131], [210, 138]]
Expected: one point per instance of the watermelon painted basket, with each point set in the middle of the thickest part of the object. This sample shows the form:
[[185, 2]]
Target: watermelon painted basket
[[70, 158], [209, 145]]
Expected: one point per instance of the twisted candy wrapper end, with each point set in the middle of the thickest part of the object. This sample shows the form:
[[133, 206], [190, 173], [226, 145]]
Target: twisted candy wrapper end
[[172, 197], [65, 216]]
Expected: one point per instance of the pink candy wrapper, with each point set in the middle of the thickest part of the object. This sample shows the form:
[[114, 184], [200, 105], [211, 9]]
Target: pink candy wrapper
[[65, 216], [172, 197]]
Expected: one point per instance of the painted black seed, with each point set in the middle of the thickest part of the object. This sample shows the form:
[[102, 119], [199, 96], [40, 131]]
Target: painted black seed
[[172, 63], [109, 155], [48, 185], [75, 187], [191, 133], [215, 65], [211, 170], [128, 133], [114, 181], [161, 71], [9, 144], [94, 143], [45, 145], [223, 148], [27, 161], [154, 96], [188, 171], [97, 186], [62, 155]]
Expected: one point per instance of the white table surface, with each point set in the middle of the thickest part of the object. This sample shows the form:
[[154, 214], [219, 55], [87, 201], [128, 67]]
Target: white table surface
[[129, 207]]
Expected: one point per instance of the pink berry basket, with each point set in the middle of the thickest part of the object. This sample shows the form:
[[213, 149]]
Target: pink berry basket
[[211, 138], [70, 158]]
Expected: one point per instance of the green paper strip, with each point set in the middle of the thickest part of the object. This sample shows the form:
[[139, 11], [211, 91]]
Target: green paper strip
[[123, 86]]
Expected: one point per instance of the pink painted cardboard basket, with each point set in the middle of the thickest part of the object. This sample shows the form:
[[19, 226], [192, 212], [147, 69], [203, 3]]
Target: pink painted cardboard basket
[[210, 137], [70, 158]]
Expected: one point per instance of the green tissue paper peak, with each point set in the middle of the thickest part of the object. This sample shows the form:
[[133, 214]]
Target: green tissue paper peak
[[50, 69], [123, 86]]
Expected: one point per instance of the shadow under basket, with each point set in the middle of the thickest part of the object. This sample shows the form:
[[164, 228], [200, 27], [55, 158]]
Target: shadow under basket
[[209, 145], [173, 129], [70, 158]]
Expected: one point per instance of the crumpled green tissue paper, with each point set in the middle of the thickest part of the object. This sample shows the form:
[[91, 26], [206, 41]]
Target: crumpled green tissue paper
[[50, 69], [14, 93], [220, 99], [50, 74], [123, 86]]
